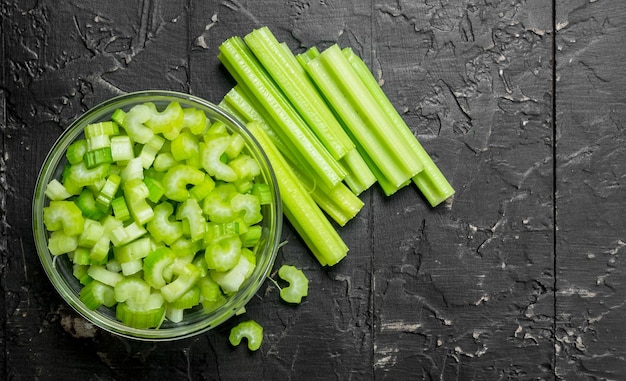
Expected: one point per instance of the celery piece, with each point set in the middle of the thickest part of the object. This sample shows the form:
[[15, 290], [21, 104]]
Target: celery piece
[[216, 204], [133, 288], [339, 202], [187, 300], [121, 148], [177, 178], [92, 231], [184, 146], [195, 120], [132, 251], [136, 193], [202, 189], [223, 253], [132, 170], [186, 277], [142, 315], [291, 78], [65, 216], [236, 146], [80, 256], [245, 167], [251, 236], [300, 208], [123, 235], [131, 267], [164, 161], [161, 227], [98, 156], [108, 191], [56, 191], [156, 191], [76, 151], [86, 202], [96, 294], [149, 151], [155, 264], [194, 223], [80, 273], [263, 192], [211, 152], [298, 284], [431, 182], [120, 209], [101, 128], [60, 242], [168, 122], [101, 274], [231, 280], [98, 142], [362, 115], [359, 176], [289, 125], [82, 176], [250, 330], [248, 207], [133, 123]]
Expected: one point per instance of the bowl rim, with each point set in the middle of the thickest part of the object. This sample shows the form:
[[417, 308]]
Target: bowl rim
[[234, 304]]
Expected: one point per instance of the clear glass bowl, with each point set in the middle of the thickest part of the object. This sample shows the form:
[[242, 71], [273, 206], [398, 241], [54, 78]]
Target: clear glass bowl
[[195, 321]]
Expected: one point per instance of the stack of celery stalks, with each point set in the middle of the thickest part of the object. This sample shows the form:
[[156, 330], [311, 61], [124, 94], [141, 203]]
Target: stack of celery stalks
[[329, 132]]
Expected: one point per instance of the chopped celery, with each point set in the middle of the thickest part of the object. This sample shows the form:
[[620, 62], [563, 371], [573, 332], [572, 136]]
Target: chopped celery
[[96, 294], [298, 284], [162, 228], [177, 178], [132, 207], [63, 215], [56, 191], [251, 331]]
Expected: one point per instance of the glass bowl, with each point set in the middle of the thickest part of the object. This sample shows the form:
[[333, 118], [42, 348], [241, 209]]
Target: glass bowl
[[195, 321]]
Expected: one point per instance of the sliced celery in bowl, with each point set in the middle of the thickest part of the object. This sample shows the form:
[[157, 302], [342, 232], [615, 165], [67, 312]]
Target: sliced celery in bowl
[[156, 215]]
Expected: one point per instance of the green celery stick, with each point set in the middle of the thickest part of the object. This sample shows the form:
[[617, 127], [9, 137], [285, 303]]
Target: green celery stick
[[361, 114], [291, 78], [300, 208], [430, 180], [247, 71]]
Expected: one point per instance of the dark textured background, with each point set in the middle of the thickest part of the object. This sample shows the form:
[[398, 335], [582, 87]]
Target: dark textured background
[[522, 277]]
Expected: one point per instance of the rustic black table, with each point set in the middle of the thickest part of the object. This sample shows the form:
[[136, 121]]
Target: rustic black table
[[520, 103]]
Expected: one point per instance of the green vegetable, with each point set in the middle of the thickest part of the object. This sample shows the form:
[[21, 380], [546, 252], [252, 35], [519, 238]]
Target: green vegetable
[[152, 225], [290, 126], [430, 181], [249, 330], [285, 70], [300, 208], [298, 284], [367, 123]]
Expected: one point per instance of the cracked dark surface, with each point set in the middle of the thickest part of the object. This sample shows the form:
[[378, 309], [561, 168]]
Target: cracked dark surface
[[519, 278]]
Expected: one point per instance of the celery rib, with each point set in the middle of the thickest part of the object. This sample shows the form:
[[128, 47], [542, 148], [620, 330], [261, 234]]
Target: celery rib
[[247, 71], [300, 208], [430, 181], [291, 78]]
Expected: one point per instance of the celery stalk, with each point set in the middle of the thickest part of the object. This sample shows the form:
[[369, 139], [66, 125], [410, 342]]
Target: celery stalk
[[300, 208], [430, 180], [291, 78], [247, 71], [361, 114]]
